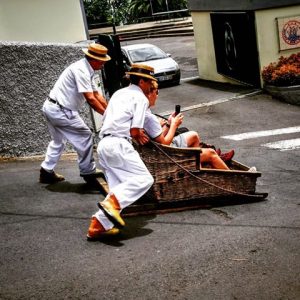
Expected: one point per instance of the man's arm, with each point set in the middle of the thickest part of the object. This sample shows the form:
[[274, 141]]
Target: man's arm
[[96, 101], [164, 126], [167, 138]]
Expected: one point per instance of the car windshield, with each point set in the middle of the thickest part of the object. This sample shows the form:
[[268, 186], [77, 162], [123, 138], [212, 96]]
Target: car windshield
[[145, 54]]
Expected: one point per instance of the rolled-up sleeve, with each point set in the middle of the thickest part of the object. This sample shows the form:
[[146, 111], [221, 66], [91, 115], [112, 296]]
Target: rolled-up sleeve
[[152, 125]]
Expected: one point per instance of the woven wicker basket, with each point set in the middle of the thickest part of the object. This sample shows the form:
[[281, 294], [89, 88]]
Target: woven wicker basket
[[178, 176]]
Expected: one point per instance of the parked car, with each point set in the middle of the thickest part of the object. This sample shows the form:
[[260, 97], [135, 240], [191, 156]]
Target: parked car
[[166, 70]]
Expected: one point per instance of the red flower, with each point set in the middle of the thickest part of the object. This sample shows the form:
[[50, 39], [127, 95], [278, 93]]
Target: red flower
[[285, 72]]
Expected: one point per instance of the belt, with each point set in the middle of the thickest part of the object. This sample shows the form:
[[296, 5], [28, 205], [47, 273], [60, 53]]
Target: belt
[[57, 103], [122, 137], [53, 101]]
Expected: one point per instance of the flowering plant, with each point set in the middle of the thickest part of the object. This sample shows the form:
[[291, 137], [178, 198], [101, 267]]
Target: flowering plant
[[285, 72]]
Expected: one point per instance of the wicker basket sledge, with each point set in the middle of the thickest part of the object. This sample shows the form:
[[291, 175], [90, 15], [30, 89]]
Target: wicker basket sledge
[[180, 183], [178, 176]]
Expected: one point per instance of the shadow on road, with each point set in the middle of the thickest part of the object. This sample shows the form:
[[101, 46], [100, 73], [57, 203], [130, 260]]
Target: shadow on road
[[134, 228], [68, 187]]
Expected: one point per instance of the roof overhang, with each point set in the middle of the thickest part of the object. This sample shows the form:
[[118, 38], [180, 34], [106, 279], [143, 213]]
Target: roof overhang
[[241, 5]]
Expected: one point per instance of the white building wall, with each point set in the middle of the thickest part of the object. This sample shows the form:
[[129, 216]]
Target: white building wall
[[58, 21]]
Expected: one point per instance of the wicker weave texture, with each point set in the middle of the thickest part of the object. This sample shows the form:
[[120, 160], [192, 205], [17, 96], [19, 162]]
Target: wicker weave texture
[[173, 182], [191, 187]]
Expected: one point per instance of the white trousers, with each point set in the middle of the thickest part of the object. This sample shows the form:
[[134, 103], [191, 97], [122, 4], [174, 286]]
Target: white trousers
[[66, 125], [127, 176]]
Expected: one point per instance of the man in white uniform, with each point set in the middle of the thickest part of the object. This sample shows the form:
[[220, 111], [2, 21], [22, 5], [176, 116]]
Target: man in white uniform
[[74, 86], [127, 176]]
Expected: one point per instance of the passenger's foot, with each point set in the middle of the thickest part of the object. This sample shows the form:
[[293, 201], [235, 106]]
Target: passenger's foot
[[226, 157], [50, 177], [111, 209], [96, 231], [252, 169]]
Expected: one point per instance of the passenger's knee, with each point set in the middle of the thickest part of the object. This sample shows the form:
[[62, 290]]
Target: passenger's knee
[[212, 152], [194, 134], [193, 139]]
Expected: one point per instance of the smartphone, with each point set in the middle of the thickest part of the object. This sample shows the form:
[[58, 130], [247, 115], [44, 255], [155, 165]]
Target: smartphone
[[177, 109]]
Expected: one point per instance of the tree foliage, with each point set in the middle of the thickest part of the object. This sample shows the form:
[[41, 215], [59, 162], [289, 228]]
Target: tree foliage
[[142, 9], [127, 11], [106, 11]]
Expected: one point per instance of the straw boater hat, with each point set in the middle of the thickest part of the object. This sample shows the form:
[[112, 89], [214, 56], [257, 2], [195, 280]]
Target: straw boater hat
[[142, 71], [97, 51]]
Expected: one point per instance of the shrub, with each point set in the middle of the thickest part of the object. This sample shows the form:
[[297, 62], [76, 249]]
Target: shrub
[[285, 72]]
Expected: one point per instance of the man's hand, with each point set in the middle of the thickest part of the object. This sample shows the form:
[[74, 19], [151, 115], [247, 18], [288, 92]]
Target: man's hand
[[139, 135], [96, 101]]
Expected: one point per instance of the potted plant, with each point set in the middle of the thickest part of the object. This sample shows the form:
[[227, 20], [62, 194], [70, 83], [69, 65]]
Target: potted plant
[[282, 78]]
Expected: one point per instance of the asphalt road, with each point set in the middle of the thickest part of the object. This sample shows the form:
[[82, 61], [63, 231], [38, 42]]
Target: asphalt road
[[242, 251]]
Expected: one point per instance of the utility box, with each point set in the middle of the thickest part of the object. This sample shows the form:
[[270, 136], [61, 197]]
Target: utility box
[[113, 69]]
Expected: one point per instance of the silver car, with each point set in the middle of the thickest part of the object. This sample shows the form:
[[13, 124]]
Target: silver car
[[166, 70]]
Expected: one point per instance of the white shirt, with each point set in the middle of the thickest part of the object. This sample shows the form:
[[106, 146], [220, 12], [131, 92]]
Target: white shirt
[[152, 125], [126, 109], [75, 80]]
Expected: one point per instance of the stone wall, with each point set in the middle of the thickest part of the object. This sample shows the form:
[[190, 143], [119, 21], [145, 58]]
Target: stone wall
[[28, 72]]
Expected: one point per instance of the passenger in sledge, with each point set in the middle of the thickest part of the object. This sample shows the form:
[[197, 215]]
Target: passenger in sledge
[[164, 133]]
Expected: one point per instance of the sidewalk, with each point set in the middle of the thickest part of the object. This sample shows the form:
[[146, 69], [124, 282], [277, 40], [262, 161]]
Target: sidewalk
[[141, 26], [169, 27]]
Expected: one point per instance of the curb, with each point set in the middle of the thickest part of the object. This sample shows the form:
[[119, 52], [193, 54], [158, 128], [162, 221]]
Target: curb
[[66, 156]]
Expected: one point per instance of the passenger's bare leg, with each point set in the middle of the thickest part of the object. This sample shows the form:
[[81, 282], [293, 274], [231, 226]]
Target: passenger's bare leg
[[192, 139], [210, 156]]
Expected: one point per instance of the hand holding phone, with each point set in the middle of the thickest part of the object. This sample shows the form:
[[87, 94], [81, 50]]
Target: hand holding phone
[[177, 109]]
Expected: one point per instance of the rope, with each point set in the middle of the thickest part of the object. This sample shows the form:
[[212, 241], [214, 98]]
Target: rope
[[198, 178]]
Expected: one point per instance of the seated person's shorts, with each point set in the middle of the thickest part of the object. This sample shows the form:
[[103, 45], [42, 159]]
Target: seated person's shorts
[[179, 141]]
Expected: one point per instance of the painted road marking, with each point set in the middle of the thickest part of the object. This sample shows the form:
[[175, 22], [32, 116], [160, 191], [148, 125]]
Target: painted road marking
[[284, 145], [256, 134], [215, 102]]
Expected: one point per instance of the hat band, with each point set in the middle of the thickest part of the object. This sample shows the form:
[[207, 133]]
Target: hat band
[[96, 54], [143, 71]]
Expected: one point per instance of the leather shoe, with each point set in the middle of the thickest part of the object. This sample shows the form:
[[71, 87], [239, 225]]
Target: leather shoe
[[227, 156], [96, 231], [92, 176], [50, 177], [111, 213]]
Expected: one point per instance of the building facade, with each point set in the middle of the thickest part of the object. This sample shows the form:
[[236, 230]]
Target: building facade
[[236, 39]]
